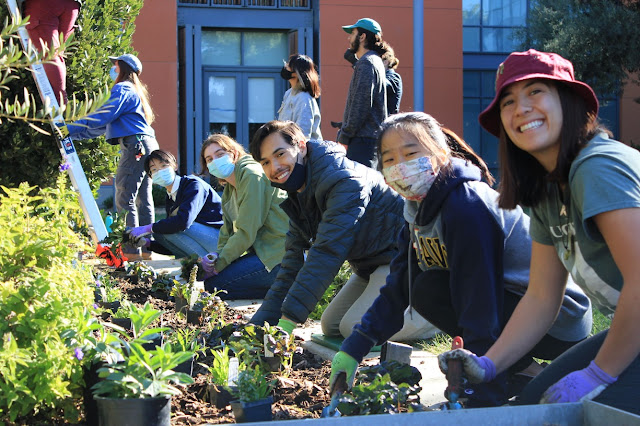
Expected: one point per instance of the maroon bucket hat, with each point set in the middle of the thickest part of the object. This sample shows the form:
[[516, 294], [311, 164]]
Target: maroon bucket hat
[[533, 64]]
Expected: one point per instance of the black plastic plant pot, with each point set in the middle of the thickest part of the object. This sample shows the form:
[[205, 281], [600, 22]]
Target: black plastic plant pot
[[134, 411], [155, 341], [91, 377], [273, 363], [249, 412], [185, 367], [181, 304], [219, 396], [194, 317], [112, 306], [122, 322]]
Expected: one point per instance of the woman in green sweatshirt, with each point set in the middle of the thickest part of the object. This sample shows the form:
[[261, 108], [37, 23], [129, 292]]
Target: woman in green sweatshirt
[[251, 241]]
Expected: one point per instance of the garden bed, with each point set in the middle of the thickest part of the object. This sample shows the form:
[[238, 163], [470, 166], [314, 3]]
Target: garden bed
[[301, 395]]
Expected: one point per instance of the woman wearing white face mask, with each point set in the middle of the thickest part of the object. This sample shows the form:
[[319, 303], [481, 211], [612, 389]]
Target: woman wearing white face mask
[[251, 243], [194, 213], [463, 262]]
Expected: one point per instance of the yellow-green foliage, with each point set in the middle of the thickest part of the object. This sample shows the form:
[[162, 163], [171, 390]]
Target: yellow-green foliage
[[42, 287]]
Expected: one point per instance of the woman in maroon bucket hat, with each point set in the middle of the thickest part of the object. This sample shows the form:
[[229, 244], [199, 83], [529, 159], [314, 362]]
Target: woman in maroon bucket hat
[[583, 189]]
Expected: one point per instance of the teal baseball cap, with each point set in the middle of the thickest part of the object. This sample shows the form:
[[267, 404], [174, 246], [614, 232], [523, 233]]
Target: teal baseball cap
[[366, 24]]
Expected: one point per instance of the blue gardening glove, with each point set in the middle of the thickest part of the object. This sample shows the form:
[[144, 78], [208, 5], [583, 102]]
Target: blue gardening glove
[[477, 369], [140, 231], [209, 264], [343, 363], [287, 326], [579, 385]]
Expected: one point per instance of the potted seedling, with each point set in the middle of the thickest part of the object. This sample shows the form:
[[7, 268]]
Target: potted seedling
[[185, 340], [140, 323], [253, 393], [279, 348], [218, 389], [94, 347], [122, 316], [138, 391], [140, 272], [187, 267], [184, 293], [207, 306], [163, 283], [387, 388]]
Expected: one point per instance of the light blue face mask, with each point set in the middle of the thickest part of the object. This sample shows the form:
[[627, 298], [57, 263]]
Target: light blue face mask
[[164, 177], [221, 167], [112, 73]]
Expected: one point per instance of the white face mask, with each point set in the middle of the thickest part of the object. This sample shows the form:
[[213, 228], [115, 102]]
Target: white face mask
[[412, 179], [163, 177]]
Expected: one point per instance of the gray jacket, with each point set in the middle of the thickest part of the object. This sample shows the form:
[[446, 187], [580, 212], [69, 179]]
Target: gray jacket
[[366, 106], [345, 212], [301, 108]]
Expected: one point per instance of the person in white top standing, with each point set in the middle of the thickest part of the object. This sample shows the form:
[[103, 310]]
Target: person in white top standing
[[299, 102]]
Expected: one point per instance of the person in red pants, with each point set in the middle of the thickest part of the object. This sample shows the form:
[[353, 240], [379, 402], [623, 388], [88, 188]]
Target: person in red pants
[[48, 20]]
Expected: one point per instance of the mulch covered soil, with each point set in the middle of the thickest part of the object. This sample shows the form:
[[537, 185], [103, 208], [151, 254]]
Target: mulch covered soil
[[300, 395]]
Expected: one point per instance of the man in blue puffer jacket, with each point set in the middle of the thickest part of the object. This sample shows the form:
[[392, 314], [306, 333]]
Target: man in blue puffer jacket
[[339, 210]]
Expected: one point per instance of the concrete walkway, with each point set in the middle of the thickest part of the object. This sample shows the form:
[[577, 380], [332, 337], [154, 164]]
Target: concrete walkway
[[433, 381]]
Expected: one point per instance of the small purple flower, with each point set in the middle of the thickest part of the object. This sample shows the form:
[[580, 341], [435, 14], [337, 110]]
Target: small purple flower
[[95, 306], [64, 166], [98, 283], [78, 354]]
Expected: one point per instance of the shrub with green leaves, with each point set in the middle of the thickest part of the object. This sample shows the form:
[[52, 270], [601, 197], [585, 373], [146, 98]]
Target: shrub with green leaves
[[42, 287], [105, 27]]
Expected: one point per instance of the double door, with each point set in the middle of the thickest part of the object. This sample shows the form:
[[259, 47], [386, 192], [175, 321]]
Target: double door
[[237, 103]]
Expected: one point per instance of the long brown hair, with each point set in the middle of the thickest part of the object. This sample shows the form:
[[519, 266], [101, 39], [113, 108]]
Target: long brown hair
[[307, 73], [523, 180], [435, 138], [128, 74], [226, 143]]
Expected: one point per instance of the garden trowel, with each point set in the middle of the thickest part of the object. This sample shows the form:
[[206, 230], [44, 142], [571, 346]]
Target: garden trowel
[[454, 378], [338, 388]]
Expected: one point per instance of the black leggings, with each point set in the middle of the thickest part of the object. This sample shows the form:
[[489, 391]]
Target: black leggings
[[439, 311], [623, 394]]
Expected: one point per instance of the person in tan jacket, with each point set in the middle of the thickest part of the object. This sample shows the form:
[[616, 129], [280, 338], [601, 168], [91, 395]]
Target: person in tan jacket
[[252, 237]]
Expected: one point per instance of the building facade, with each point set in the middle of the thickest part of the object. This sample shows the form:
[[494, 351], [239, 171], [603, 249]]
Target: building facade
[[213, 65]]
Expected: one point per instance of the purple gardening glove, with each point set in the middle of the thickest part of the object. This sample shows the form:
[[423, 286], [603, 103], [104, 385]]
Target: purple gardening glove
[[140, 231], [209, 264], [579, 385], [477, 369]]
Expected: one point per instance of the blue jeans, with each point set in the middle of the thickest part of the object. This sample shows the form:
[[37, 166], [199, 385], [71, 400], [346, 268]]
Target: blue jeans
[[198, 238], [363, 150], [244, 278]]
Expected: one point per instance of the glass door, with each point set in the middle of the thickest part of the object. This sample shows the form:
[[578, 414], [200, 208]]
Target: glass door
[[238, 103]]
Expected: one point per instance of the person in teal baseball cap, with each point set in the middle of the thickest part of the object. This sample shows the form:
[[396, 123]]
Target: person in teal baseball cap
[[366, 24], [366, 106]]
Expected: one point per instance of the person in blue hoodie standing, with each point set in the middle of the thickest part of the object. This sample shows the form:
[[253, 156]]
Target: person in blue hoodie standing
[[463, 262], [126, 121], [194, 212]]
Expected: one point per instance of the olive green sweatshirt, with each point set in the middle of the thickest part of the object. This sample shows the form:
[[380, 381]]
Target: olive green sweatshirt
[[260, 223]]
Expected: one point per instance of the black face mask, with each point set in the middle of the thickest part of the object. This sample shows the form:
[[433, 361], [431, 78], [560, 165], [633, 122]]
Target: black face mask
[[296, 179], [286, 74]]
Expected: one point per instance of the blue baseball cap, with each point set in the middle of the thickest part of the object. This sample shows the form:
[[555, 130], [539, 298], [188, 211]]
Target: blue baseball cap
[[130, 60], [366, 24]]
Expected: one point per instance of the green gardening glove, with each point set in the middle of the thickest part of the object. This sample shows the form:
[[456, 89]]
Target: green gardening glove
[[287, 326], [343, 363]]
